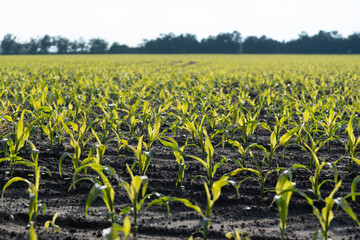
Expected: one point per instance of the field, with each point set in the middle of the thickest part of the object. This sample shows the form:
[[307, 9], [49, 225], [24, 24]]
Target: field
[[180, 146]]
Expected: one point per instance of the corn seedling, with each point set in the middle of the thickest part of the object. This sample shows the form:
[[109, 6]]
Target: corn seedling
[[330, 124], [326, 215], [132, 120], [12, 149], [211, 197], [237, 234], [101, 186], [137, 188], [315, 184], [246, 123], [153, 133], [178, 153], [352, 144], [142, 157], [111, 233], [260, 177], [276, 140], [52, 223], [242, 151], [282, 199], [314, 148], [78, 131], [33, 187], [207, 162]]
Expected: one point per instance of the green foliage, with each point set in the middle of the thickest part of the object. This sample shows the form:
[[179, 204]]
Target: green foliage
[[111, 233], [33, 187]]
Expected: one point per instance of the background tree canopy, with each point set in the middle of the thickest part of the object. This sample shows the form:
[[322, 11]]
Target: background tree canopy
[[320, 43]]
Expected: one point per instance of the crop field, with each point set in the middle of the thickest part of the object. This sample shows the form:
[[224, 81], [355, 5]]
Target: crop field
[[180, 147]]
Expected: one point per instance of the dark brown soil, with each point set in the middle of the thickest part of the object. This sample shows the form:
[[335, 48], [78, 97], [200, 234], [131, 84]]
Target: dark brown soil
[[250, 212]]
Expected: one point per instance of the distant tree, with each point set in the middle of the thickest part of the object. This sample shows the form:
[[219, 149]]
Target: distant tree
[[33, 46], [45, 44], [222, 43], [82, 46], [263, 44], [119, 48], [98, 45], [10, 46], [170, 43], [62, 44], [73, 46], [353, 43]]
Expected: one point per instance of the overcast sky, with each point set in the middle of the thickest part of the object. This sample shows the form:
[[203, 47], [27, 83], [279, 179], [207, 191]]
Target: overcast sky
[[129, 22]]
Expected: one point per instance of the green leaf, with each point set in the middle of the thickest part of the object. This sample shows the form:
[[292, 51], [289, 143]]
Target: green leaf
[[32, 232], [327, 213], [94, 192], [20, 126], [125, 210], [357, 161], [62, 159], [286, 137], [16, 179], [345, 206], [111, 233], [47, 225], [126, 227], [216, 187], [353, 187], [166, 200], [273, 140]]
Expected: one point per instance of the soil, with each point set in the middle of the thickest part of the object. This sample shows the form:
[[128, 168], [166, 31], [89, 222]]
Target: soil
[[250, 212]]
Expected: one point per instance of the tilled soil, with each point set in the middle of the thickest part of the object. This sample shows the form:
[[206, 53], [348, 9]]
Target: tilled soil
[[250, 212]]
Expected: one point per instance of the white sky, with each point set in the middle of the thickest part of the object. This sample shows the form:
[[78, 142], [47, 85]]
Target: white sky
[[131, 21]]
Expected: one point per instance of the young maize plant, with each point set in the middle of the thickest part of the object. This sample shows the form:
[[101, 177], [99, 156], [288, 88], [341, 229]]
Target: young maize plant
[[314, 148], [211, 196], [196, 131], [352, 144], [330, 125], [142, 157], [136, 193], [315, 184], [132, 120], [207, 162], [283, 195], [306, 121], [78, 149], [260, 177], [99, 148], [51, 129], [145, 115], [154, 133], [52, 223], [242, 151], [33, 187], [237, 234], [246, 123], [111, 233], [172, 144], [326, 215], [275, 139], [22, 134], [101, 186], [79, 131]]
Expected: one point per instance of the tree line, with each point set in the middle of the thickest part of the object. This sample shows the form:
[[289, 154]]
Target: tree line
[[320, 43]]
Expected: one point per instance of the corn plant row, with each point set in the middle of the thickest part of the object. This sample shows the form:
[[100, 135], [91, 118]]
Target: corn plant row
[[84, 108]]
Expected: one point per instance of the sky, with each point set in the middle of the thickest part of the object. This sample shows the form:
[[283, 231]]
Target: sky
[[131, 21]]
